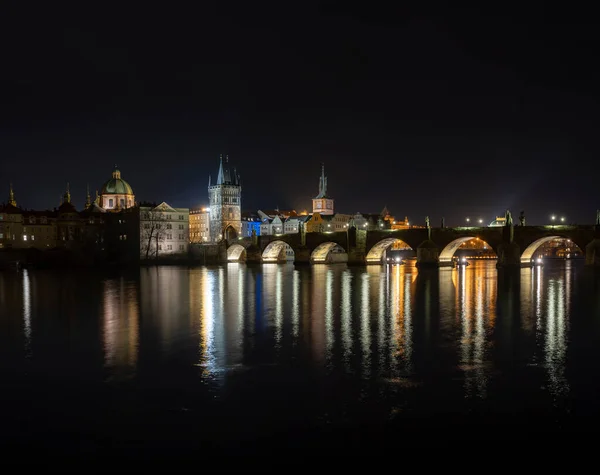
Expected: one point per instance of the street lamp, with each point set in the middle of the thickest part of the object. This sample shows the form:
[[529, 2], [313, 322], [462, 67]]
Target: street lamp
[[562, 219], [552, 217], [480, 220], [468, 220]]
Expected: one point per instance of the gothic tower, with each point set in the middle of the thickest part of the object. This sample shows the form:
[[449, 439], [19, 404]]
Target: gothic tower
[[225, 199], [323, 203]]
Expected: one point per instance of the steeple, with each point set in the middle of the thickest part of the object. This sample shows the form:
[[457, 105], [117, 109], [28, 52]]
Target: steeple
[[116, 173], [322, 183], [11, 196], [209, 180], [88, 198], [97, 199], [220, 177], [67, 195]]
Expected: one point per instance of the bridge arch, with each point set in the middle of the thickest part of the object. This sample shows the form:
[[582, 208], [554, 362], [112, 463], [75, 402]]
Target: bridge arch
[[328, 253], [528, 254], [278, 251], [377, 252], [447, 254], [236, 253]]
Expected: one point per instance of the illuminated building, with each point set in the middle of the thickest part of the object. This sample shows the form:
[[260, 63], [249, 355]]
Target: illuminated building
[[200, 225], [499, 221], [116, 193], [225, 198], [322, 203], [164, 231], [250, 222]]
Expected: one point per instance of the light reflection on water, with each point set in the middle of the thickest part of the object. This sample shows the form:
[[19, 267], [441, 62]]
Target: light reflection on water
[[454, 331]]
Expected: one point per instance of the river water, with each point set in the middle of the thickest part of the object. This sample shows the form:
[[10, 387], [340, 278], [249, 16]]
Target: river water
[[234, 357]]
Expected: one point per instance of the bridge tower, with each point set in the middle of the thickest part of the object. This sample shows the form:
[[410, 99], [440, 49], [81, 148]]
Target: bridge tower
[[322, 203], [225, 199]]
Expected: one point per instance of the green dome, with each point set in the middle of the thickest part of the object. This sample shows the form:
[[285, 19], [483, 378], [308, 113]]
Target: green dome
[[116, 185]]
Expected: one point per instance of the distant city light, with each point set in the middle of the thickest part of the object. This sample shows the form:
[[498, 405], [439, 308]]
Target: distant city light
[[468, 220], [562, 219], [552, 217], [480, 221]]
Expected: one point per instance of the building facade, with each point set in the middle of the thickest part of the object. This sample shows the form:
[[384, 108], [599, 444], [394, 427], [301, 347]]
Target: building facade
[[322, 203], [250, 222], [164, 231], [225, 201], [200, 225]]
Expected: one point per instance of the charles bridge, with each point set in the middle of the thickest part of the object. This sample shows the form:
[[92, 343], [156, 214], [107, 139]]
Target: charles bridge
[[515, 246]]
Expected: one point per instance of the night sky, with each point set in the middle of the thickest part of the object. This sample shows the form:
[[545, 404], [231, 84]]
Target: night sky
[[451, 113]]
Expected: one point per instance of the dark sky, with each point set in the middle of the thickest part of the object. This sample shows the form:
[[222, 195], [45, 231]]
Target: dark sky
[[449, 112]]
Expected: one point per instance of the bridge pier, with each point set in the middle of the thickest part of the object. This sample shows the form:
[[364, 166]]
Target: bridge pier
[[253, 255], [302, 255], [509, 256], [428, 255], [357, 257], [592, 253]]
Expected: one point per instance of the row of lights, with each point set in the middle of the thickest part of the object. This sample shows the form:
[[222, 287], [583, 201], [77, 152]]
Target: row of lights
[[479, 220]]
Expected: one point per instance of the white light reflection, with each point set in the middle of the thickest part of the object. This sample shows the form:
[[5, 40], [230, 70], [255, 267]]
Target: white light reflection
[[555, 341], [329, 337], [295, 303], [207, 323], [365, 334], [278, 307], [346, 309], [27, 312]]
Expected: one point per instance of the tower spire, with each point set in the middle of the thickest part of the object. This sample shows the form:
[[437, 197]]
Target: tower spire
[[67, 196], [88, 198], [220, 177], [11, 196]]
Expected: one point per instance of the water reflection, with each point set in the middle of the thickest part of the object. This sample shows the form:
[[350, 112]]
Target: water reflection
[[476, 306], [458, 333], [27, 312], [120, 327]]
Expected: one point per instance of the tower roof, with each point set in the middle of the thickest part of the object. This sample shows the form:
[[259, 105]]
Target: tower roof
[[322, 184], [225, 176]]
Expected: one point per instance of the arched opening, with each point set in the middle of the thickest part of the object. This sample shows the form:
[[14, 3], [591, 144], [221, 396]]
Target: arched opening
[[550, 247], [278, 251], [390, 250], [329, 253], [464, 249], [236, 253], [230, 233]]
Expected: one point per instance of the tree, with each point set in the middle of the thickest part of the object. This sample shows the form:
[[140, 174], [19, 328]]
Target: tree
[[153, 231]]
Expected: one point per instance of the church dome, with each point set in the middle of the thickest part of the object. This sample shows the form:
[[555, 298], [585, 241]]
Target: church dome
[[116, 185]]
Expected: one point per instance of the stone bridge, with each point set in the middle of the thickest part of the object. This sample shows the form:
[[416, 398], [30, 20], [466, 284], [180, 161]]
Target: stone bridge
[[515, 246]]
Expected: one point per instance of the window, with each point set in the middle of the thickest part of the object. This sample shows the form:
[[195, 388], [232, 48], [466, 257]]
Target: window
[[169, 236], [168, 216], [181, 236], [181, 226], [169, 226], [122, 203], [160, 247], [32, 237], [181, 216], [110, 203], [1, 235], [24, 237], [31, 219], [169, 247], [181, 247], [147, 226]]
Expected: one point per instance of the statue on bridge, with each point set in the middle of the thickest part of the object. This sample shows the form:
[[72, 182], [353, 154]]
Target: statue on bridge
[[522, 218], [427, 224], [443, 223], [508, 217], [598, 217]]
